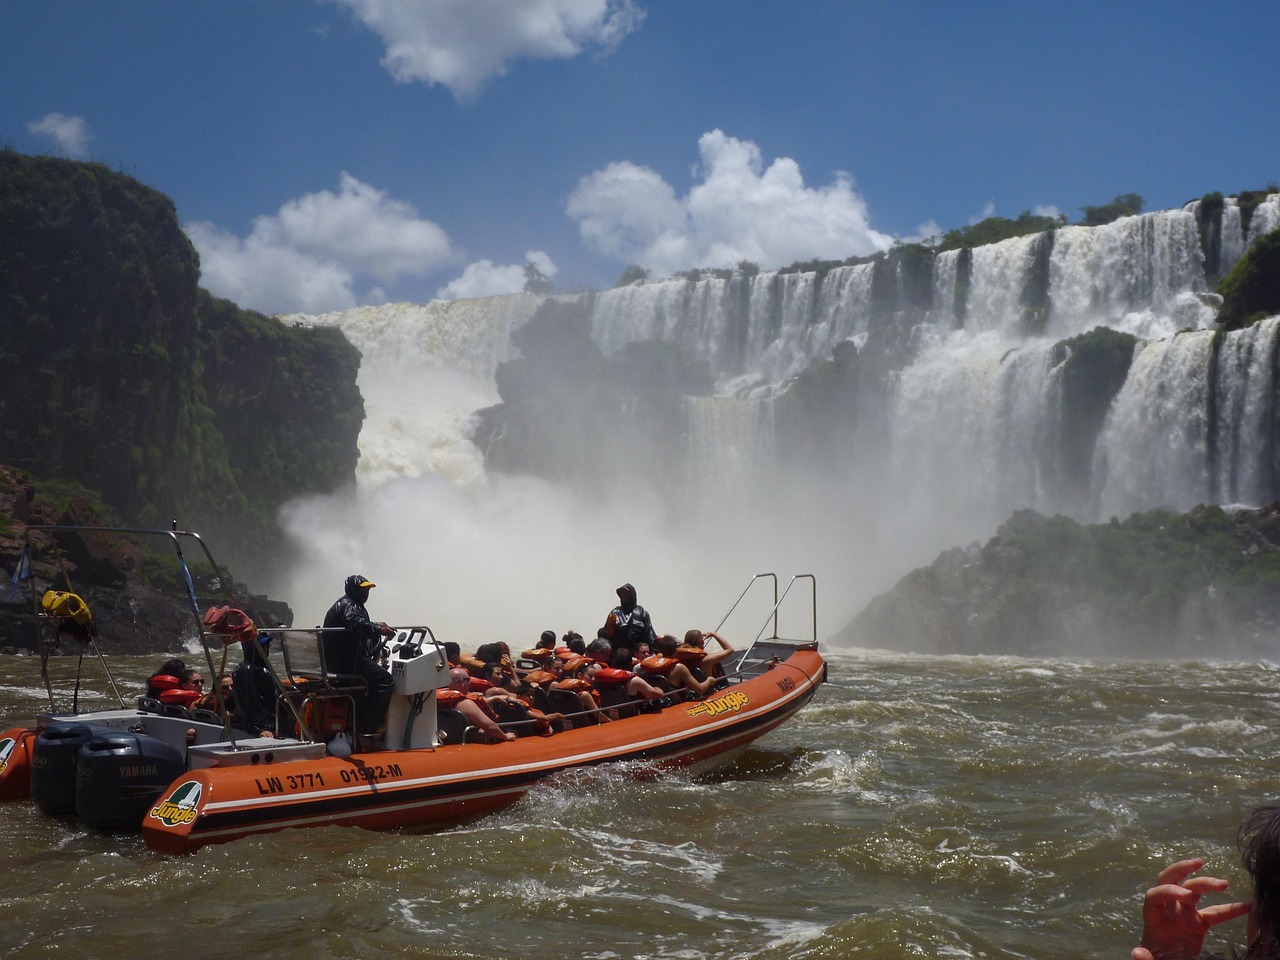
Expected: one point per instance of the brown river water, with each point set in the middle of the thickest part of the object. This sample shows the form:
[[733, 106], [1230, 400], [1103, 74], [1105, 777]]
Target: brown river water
[[919, 807]]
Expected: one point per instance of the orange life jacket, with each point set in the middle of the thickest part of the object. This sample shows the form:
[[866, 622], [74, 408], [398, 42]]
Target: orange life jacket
[[448, 697], [689, 655], [577, 685], [611, 676], [184, 698], [659, 665]]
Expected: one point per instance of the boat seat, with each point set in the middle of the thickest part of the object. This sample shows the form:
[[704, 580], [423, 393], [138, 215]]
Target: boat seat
[[615, 697], [175, 710], [657, 680], [312, 680], [150, 705], [453, 728], [567, 703], [206, 716], [514, 717]]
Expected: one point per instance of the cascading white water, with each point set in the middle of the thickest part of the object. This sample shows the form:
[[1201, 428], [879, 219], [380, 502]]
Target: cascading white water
[[425, 370], [1154, 449], [1266, 217], [945, 278], [1246, 414], [967, 431], [727, 439], [1233, 244], [1131, 275], [965, 435], [996, 285]]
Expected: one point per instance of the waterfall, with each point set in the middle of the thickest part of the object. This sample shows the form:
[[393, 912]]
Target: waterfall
[[970, 422], [729, 448], [946, 276], [1246, 415], [1266, 217], [944, 408], [1132, 275], [1154, 451], [1233, 241], [1000, 272], [425, 369]]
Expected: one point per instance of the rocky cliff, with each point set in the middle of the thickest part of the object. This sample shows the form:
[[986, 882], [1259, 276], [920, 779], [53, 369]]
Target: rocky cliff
[[1160, 584], [118, 373]]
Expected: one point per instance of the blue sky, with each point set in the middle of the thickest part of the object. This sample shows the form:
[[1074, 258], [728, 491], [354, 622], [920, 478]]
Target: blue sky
[[329, 153]]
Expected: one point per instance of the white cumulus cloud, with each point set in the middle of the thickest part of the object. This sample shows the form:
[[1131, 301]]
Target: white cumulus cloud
[[71, 134], [484, 278], [738, 210], [313, 253], [463, 43]]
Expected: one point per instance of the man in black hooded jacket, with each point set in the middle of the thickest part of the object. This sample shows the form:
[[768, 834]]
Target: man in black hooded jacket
[[351, 649], [628, 623]]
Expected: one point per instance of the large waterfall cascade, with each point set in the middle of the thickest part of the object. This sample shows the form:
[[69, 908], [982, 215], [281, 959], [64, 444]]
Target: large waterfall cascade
[[966, 429]]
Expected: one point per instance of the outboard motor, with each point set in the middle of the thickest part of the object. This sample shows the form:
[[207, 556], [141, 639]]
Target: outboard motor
[[120, 775], [53, 766]]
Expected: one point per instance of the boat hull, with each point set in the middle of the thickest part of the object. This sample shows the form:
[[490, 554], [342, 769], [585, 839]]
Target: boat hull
[[427, 788]]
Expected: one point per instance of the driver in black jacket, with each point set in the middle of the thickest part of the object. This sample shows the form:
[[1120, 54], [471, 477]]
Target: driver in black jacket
[[353, 648]]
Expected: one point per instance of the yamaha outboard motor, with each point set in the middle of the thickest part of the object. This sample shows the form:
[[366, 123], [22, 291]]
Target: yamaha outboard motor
[[119, 776], [53, 766]]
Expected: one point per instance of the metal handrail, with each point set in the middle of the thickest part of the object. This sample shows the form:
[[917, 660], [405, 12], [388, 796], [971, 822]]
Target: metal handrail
[[773, 614], [750, 583]]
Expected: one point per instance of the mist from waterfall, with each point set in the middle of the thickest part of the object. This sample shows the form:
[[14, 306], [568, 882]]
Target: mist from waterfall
[[942, 451]]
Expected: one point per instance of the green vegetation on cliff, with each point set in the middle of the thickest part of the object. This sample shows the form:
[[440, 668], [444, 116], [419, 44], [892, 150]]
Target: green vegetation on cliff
[[1251, 291], [118, 373], [995, 229]]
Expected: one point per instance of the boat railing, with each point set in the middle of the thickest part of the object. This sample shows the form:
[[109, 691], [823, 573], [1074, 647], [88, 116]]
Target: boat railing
[[744, 661]]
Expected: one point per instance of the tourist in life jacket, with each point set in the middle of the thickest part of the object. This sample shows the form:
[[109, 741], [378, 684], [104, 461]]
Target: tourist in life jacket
[[254, 688], [628, 623], [637, 687], [665, 665], [501, 683], [601, 651], [575, 681], [458, 696], [189, 689], [351, 643], [167, 677], [544, 650], [695, 640], [210, 700]]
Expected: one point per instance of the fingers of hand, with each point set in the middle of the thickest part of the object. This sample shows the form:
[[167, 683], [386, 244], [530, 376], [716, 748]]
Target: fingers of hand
[[1177, 872], [1222, 912]]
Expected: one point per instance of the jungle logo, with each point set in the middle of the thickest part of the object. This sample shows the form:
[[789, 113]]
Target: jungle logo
[[713, 708], [179, 807], [6, 749]]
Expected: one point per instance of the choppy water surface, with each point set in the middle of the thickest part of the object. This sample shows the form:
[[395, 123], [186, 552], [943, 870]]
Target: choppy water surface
[[920, 807]]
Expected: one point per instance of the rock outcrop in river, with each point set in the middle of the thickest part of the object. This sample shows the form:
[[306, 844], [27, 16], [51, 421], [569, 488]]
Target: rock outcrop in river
[[1204, 584]]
